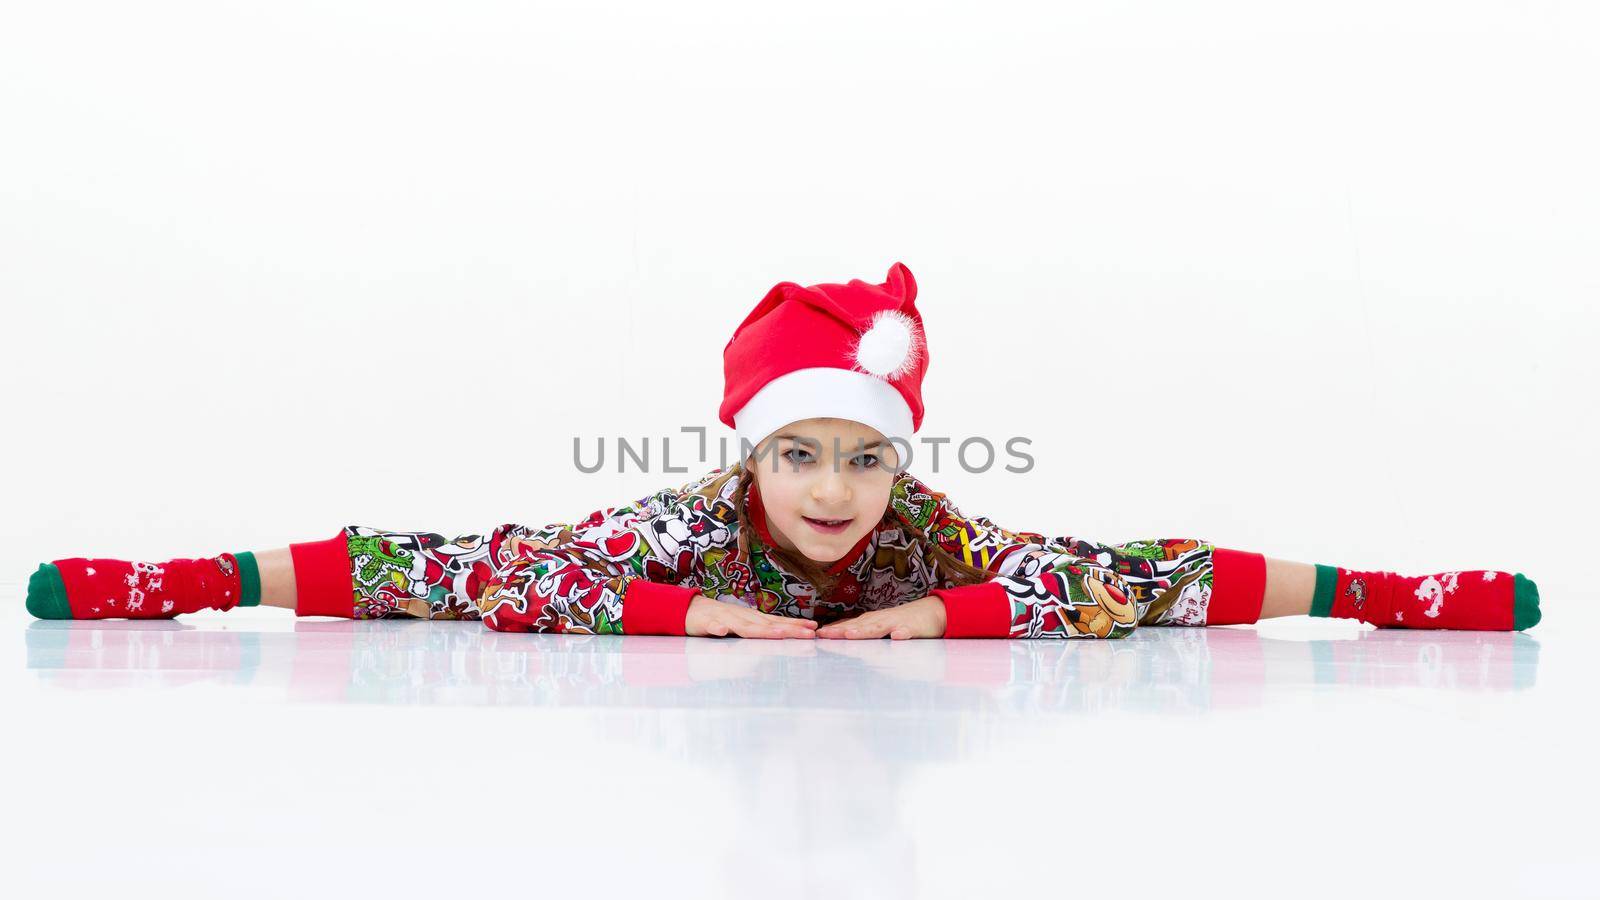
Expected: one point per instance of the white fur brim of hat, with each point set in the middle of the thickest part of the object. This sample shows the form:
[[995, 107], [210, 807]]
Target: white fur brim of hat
[[823, 391]]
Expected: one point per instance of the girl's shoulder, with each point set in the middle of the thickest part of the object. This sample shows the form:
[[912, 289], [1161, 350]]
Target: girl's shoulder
[[698, 495], [720, 483], [915, 504]]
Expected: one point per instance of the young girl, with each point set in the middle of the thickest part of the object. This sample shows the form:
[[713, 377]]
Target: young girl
[[817, 532]]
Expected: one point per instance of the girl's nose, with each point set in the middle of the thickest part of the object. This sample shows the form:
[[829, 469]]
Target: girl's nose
[[830, 487]]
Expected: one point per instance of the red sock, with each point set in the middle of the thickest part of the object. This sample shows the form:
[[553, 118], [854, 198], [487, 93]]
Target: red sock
[[1476, 599], [80, 588]]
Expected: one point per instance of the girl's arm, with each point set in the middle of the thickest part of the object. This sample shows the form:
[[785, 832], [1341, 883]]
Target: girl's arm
[[624, 569], [1037, 587]]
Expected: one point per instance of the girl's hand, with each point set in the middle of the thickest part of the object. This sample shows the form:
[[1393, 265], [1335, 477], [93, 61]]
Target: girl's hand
[[709, 617], [922, 618]]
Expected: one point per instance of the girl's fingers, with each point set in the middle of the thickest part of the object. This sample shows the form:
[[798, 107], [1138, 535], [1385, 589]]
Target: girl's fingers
[[751, 623], [793, 628], [787, 626], [787, 620], [756, 628], [868, 628], [785, 630], [842, 628], [756, 615]]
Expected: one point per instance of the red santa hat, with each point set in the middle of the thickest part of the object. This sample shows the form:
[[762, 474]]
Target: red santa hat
[[850, 351]]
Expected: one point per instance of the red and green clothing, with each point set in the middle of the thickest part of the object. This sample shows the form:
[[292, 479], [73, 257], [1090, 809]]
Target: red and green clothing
[[633, 569]]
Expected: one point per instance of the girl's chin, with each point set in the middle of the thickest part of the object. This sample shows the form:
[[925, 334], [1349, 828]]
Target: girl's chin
[[827, 551]]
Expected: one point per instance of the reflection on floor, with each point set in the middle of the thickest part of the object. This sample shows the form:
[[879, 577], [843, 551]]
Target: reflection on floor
[[1156, 670], [1178, 762]]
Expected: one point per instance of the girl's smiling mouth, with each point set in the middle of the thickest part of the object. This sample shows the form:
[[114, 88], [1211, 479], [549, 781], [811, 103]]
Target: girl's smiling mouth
[[828, 526]]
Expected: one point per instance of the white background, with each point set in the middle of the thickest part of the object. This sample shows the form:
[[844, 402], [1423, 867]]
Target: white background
[[1313, 280], [1315, 283]]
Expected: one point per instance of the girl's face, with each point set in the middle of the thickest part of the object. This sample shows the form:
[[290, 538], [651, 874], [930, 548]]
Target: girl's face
[[820, 500]]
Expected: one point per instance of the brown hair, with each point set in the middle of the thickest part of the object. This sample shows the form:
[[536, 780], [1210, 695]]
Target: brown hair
[[955, 571]]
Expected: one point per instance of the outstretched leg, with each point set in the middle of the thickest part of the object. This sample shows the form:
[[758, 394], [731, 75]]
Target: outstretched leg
[[277, 577], [359, 573], [1188, 581], [1289, 588], [1476, 600]]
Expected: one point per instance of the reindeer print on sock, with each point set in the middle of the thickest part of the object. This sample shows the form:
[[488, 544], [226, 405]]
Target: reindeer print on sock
[[1432, 590], [1356, 593]]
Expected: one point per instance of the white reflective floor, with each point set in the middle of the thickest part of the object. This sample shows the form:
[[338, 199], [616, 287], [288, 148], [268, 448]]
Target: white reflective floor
[[250, 754]]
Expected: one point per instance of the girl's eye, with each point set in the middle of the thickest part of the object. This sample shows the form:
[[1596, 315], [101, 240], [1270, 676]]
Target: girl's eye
[[865, 461]]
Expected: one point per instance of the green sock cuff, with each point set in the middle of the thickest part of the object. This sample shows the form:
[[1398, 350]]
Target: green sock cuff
[[1525, 604], [1322, 599], [249, 579]]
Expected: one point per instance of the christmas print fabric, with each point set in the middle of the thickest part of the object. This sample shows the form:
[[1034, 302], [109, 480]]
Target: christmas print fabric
[[576, 577]]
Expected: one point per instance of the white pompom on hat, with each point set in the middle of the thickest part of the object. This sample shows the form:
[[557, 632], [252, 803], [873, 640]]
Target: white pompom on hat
[[851, 351]]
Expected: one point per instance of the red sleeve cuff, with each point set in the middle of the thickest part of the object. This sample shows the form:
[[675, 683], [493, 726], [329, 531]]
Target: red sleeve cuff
[[322, 578], [1238, 587], [976, 610], [651, 607]]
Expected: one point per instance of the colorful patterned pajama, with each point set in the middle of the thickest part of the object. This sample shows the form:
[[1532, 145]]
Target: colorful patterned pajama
[[658, 551]]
